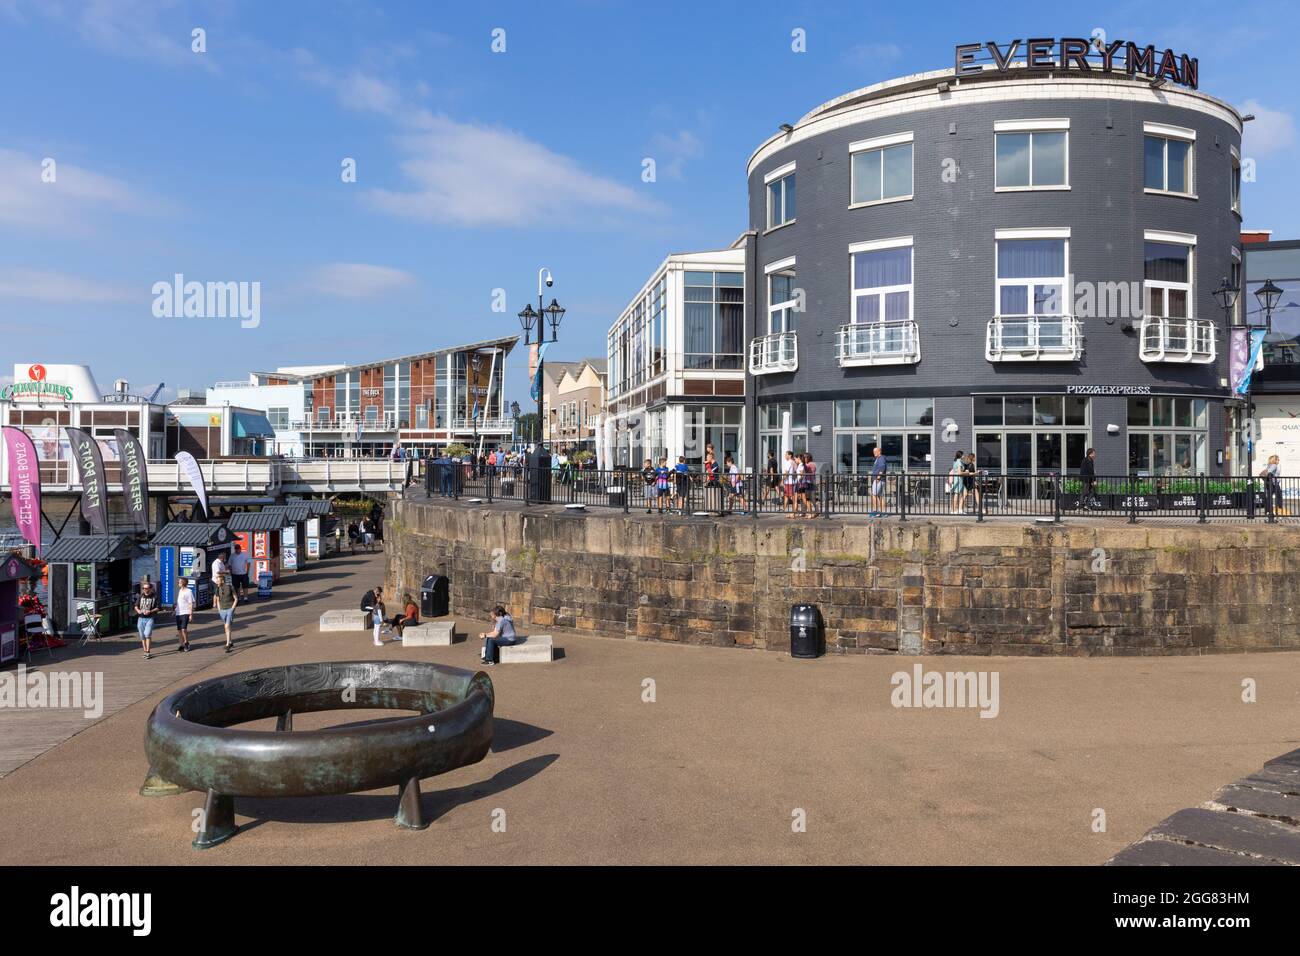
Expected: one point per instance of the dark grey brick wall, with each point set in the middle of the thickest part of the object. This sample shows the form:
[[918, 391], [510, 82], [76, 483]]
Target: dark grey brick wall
[[953, 226]]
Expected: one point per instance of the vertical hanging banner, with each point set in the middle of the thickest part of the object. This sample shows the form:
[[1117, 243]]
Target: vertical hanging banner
[[536, 390], [24, 484], [1256, 346], [194, 475], [135, 477], [90, 470]]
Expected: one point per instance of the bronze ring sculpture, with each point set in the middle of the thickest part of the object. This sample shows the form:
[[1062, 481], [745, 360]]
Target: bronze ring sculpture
[[192, 744]]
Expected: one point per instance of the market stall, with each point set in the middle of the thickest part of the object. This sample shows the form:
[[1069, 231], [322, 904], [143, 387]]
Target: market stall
[[186, 549], [14, 571], [293, 535], [93, 570], [321, 522], [258, 533]]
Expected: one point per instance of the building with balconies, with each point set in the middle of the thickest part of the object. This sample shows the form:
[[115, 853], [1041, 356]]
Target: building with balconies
[[573, 403], [1014, 260]]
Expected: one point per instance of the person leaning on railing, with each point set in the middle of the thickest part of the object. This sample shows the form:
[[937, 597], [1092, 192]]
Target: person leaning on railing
[[1273, 484]]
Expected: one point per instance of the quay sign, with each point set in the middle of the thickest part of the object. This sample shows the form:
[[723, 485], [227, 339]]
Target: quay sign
[[1083, 56]]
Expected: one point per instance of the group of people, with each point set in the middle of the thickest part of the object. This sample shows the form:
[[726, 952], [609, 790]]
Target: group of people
[[669, 488], [373, 604], [229, 587]]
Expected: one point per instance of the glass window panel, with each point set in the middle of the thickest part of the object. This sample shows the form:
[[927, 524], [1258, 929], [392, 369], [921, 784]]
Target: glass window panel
[[1049, 451], [1178, 163], [885, 267], [892, 446], [988, 410], [1014, 300], [1139, 412], [789, 198], [1012, 159], [844, 453], [868, 309], [1076, 410], [1019, 410], [918, 451], [1183, 454], [1139, 453], [1182, 413], [1200, 412], [1160, 454], [700, 278], [1162, 412], [798, 414], [1176, 305], [920, 411], [1166, 261], [1076, 446], [866, 413], [1049, 159], [1153, 150], [730, 329], [774, 204], [988, 451], [1047, 410], [896, 306], [866, 176], [732, 279], [898, 171], [1201, 447], [1047, 300], [1019, 447], [697, 294], [1031, 258], [865, 448], [892, 413], [844, 414]]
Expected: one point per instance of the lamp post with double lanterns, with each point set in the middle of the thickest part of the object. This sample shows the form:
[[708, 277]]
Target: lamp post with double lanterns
[[1267, 295], [552, 314]]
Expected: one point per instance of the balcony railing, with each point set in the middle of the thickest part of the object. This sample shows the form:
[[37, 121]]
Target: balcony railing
[[1176, 340], [483, 425], [1034, 338], [343, 423], [878, 343], [778, 352]]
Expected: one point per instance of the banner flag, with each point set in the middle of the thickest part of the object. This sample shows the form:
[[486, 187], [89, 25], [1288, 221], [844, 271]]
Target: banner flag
[[90, 470], [24, 484], [194, 475], [1256, 345], [536, 390], [135, 477]]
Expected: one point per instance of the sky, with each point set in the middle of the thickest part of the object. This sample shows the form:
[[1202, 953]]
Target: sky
[[487, 140]]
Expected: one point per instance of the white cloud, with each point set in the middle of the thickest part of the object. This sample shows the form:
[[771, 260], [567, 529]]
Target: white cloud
[[358, 280], [27, 200], [37, 286], [471, 175], [1268, 132], [671, 151], [127, 28]]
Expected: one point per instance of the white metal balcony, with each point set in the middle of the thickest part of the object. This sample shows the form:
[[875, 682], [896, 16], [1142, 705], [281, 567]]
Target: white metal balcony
[[386, 422], [1176, 340], [482, 425], [1034, 338], [778, 352], [878, 343]]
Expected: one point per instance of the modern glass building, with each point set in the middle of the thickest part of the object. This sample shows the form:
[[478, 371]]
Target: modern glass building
[[1015, 261]]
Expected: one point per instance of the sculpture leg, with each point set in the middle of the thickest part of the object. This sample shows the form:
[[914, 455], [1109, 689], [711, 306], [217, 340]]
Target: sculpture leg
[[285, 722], [218, 820], [409, 815], [156, 786]]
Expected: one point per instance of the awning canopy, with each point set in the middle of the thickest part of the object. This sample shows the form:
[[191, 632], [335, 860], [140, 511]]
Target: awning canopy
[[257, 521], [315, 506], [85, 548], [252, 425], [293, 512], [193, 534]]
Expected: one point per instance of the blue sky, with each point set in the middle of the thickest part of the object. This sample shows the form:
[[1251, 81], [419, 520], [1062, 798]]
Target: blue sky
[[473, 168]]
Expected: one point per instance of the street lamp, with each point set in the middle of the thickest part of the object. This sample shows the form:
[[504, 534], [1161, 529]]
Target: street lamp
[[553, 314], [1268, 295]]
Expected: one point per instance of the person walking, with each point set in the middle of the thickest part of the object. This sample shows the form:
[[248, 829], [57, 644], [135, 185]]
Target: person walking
[[956, 484], [1088, 476], [184, 613], [226, 600], [879, 468], [146, 609], [735, 486], [239, 571], [663, 492], [789, 481], [810, 484], [683, 479], [502, 634], [772, 483], [970, 478], [1273, 485]]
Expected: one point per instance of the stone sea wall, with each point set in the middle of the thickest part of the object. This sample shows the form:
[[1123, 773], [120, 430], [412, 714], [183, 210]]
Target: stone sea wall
[[913, 588]]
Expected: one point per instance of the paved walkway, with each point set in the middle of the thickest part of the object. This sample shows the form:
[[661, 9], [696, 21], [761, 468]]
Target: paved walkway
[[735, 748]]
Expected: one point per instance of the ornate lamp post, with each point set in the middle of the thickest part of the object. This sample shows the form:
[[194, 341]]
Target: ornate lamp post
[[1268, 295], [551, 314], [1226, 295]]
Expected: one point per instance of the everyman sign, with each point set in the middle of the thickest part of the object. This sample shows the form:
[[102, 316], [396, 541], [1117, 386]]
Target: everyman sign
[[1083, 56]]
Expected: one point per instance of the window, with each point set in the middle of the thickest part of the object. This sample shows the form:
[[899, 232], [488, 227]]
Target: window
[[323, 413], [713, 320], [278, 417], [1168, 436], [882, 280], [1168, 278], [1167, 155], [1031, 276], [1031, 154], [901, 427], [780, 196], [718, 425], [1234, 186], [881, 170], [770, 419], [782, 299]]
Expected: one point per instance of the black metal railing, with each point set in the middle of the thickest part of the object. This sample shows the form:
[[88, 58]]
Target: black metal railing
[[980, 496]]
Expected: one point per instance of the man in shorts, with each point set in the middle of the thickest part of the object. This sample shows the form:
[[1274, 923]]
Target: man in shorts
[[184, 612], [239, 571], [878, 468], [226, 600]]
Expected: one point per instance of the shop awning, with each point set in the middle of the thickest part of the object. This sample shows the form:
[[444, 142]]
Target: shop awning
[[85, 548], [315, 506], [293, 513], [13, 567], [192, 534], [257, 521], [252, 425]]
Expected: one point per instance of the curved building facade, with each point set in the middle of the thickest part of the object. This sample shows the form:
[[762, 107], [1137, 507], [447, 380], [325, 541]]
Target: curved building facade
[[1020, 264]]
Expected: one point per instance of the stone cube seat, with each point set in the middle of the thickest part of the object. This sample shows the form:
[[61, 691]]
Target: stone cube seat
[[429, 634], [357, 620], [534, 649]]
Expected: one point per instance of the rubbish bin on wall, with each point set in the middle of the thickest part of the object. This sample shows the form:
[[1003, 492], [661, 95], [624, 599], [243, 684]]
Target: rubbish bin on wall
[[807, 631], [435, 596], [617, 496], [539, 476]]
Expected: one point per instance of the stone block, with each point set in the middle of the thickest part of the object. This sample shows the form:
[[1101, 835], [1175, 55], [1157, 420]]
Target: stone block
[[429, 634], [357, 620], [534, 649]]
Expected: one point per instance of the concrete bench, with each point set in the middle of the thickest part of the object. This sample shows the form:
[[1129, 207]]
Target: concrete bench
[[535, 649], [357, 620], [429, 634]]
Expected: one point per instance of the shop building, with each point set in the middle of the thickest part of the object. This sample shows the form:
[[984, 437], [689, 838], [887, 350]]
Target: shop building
[[676, 373], [998, 258], [573, 403], [424, 401], [1276, 386]]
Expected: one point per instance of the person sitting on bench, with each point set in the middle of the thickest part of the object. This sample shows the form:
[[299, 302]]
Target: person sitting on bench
[[503, 633], [410, 615]]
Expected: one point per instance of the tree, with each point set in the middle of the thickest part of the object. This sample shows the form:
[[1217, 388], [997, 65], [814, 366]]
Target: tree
[[528, 427]]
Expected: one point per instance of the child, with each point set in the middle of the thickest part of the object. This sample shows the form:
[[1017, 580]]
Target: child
[[735, 488], [683, 482], [661, 483], [648, 476]]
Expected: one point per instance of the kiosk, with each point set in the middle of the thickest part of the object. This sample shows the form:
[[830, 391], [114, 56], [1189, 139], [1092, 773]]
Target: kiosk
[[13, 571], [258, 534], [93, 570], [186, 549], [320, 537], [293, 536]]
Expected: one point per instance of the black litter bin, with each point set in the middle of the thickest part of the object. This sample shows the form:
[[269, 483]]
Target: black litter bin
[[435, 597], [617, 495], [539, 476], [807, 631]]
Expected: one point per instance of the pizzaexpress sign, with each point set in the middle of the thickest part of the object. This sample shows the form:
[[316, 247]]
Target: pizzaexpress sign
[[41, 389]]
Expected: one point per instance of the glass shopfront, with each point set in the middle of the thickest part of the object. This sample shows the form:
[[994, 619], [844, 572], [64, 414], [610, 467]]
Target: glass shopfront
[[1168, 436], [1021, 437], [903, 428], [769, 430]]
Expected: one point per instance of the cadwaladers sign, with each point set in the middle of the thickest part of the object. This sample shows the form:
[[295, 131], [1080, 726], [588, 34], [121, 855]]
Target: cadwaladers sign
[[1080, 55]]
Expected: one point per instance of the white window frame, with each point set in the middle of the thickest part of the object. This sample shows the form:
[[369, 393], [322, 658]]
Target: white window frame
[[779, 174], [880, 245], [1166, 132], [1011, 235], [1031, 127], [769, 270], [1171, 239], [1234, 181], [880, 144]]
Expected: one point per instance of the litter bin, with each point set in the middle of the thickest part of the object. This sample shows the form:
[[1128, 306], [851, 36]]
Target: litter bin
[[617, 496], [539, 476], [264, 581], [807, 631], [435, 597]]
